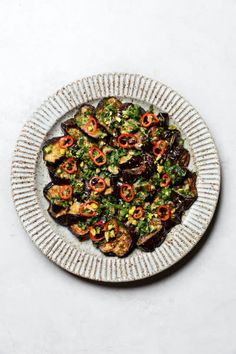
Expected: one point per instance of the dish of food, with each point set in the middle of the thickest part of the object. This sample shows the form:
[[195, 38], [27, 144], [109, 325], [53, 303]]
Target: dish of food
[[87, 186], [119, 176]]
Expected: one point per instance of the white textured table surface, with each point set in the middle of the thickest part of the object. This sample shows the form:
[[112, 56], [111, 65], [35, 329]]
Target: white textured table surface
[[189, 45]]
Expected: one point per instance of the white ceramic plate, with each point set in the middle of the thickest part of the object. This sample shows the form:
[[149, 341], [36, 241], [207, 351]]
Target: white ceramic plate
[[29, 175]]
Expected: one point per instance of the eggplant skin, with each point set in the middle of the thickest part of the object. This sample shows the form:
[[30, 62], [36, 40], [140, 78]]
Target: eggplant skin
[[163, 119], [173, 135], [184, 158], [149, 242], [137, 166], [179, 155], [46, 189]]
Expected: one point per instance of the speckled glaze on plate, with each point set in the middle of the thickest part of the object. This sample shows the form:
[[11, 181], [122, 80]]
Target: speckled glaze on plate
[[29, 175]]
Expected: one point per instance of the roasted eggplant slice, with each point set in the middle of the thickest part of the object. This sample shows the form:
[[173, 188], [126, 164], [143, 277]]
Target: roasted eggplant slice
[[172, 136], [52, 151], [70, 127], [188, 188], [59, 214], [65, 172], [120, 247], [66, 216], [184, 196], [184, 158], [86, 121], [153, 239], [137, 166], [52, 194], [130, 110], [149, 242], [64, 211], [107, 113], [179, 155], [80, 230], [131, 114], [63, 215], [129, 126]]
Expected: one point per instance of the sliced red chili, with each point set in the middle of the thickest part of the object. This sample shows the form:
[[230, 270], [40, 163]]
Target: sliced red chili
[[138, 213], [97, 184], [70, 165], [127, 141], [159, 147], [92, 126], [147, 119], [66, 141], [96, 232], [112, 225], [165, 180], [65, 192], [127, 192], [97, 156], [163, 212], [89, 208]]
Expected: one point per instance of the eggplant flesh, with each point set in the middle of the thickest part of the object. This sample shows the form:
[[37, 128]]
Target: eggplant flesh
[[120, 247], [70, 127], [78, 232], [184, 158], [130, 110], [52, 152], [85, 112], [51, 193], [107, 114], [108, 101], [59, 176], [62, 177]]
